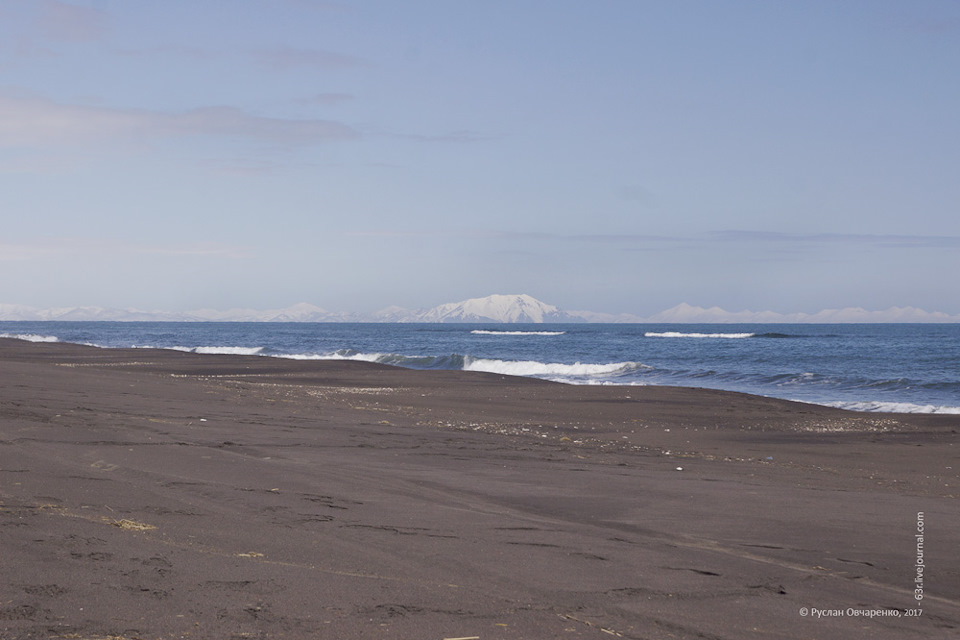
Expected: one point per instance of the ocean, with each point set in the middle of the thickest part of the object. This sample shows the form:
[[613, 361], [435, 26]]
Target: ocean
[[912, 368]]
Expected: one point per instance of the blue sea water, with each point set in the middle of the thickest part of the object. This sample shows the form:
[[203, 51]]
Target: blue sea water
[[867, 367]]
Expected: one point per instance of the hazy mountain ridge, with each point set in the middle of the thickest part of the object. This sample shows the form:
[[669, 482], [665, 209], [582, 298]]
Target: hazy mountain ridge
[[498, 308], [685, 313]]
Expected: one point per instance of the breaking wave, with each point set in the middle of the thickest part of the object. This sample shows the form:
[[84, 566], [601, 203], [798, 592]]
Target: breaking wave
[[894, 407], [551, 370], [876, 368], [30, 337], [577, 372], [452, 361], [231, 351]]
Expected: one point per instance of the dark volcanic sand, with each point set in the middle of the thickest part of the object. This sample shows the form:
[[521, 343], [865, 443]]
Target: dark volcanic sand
[[155, 494]]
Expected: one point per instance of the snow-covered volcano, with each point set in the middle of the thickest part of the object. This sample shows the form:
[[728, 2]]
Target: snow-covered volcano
[[497, 308]]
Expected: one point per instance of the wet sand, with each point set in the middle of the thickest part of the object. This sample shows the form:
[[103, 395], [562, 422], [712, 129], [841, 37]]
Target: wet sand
[[149, 494]]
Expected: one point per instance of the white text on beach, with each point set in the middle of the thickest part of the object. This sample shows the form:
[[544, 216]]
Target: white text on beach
[[850, 612]]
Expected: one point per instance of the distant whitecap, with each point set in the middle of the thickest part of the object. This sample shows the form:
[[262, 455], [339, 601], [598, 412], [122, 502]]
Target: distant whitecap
[[677, 334], [484, 332]]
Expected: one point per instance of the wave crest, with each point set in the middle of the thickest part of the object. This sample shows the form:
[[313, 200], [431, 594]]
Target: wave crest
[[452, 361], [678, 334], [576, 373], [487, 332], [30, 337], [894, 407], [228, 351], [533, 368]]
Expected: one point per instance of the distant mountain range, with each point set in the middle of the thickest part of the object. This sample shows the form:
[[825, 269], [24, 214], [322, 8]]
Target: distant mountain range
[[498, 308], [685, 313]]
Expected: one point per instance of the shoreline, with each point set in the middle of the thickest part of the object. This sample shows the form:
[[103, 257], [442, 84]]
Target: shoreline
[[162, 494], [563, 372]]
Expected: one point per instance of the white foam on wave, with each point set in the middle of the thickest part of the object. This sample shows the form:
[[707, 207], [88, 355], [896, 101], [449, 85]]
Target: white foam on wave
[[235, 351], [303, 356], [895, 407], [229, 351], [30, 337], [533, 368], [677, 334], [485, 332], [362, 357]]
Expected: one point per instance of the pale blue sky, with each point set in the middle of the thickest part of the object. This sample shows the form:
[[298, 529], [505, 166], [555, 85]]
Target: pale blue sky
[[619, 156]]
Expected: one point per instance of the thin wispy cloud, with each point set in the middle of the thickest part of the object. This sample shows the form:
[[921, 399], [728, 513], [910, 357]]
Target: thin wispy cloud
[[246, 167], [460, 136], [420, 233], [193, 53], [32, 121], [515, 236], [783, 241], [286, 58], [326, 99], [626, 238], [441, 137], [229, 121], [902, 241], [272, 59], [73, 248]]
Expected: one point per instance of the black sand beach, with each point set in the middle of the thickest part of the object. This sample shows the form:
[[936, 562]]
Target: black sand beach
[[149, 494]]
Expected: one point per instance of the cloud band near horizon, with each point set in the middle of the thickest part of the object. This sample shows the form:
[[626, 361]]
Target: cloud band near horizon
[[29, 121]]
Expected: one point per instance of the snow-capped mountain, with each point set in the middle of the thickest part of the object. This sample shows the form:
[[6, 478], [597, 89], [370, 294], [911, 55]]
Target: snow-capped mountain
[[497, 308]]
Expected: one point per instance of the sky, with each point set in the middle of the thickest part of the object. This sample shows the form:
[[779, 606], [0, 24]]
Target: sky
[[620, 156]]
